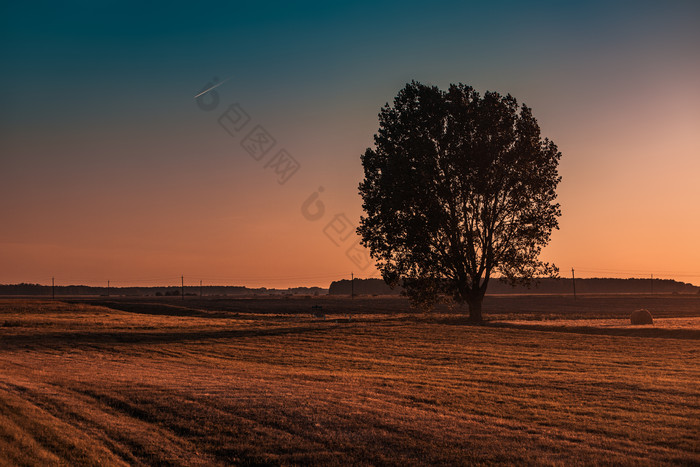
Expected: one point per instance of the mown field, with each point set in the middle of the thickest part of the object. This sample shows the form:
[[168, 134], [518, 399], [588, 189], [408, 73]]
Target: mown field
[[117, 381]]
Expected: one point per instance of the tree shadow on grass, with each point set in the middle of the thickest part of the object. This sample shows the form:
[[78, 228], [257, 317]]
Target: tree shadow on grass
[[593, 330], [693, 334]]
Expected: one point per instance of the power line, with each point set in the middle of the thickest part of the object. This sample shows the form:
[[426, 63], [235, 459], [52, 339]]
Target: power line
[[641, 272], [271, 278]]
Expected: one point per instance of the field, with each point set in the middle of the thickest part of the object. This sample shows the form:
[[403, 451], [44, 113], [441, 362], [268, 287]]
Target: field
[[547, 380]]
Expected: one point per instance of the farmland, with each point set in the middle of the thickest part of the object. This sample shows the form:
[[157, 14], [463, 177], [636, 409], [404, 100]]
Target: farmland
[[547, 380]]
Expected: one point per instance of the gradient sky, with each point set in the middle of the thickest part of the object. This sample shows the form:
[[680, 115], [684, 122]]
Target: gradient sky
[[110, 171]]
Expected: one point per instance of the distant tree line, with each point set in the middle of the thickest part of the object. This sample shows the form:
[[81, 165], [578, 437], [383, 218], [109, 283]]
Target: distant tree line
[[545, 286], [45, 290]]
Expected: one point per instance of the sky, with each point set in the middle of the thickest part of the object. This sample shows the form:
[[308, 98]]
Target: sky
[[110, 169]]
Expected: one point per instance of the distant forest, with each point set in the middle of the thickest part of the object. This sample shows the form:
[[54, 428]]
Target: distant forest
[[39, 290], [545, 286], [361, 287]]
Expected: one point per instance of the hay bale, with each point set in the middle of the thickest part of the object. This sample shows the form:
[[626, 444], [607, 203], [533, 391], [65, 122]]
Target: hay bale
[[641, 317]]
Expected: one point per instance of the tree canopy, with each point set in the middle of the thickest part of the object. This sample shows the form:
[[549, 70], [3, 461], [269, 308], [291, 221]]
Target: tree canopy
[[459, 188]]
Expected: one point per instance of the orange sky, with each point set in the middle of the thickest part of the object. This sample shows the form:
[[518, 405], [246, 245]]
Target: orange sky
[[110, 171]]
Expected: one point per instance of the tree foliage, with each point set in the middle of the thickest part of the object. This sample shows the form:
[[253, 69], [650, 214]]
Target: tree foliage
[[458, 188]]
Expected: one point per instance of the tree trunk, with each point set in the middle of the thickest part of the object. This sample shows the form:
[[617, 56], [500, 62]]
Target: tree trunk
[[475, 308]]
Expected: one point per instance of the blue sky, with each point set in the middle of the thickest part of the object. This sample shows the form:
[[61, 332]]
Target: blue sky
[[60, 55]]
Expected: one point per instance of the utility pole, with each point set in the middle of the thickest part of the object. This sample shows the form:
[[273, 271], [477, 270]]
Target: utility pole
[[200, 289], [53, 289], [182, 286], [652, 284], [573, 279], [352, 285]]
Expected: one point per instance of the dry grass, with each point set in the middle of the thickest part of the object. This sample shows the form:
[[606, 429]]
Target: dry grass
[[690, 324], [218, 384]]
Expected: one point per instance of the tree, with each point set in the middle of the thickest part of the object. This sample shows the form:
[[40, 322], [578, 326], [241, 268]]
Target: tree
[[459, 188]]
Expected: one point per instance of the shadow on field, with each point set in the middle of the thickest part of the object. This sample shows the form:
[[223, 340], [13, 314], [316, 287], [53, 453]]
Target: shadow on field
[[151, 308], [71, 339], [587, 307], [693, 334]]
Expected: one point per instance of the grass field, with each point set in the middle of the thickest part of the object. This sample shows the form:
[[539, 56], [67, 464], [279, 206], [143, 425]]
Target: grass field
[[259, 381]]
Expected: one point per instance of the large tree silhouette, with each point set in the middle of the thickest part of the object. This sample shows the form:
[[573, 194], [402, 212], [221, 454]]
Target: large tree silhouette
[[459, 188]]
